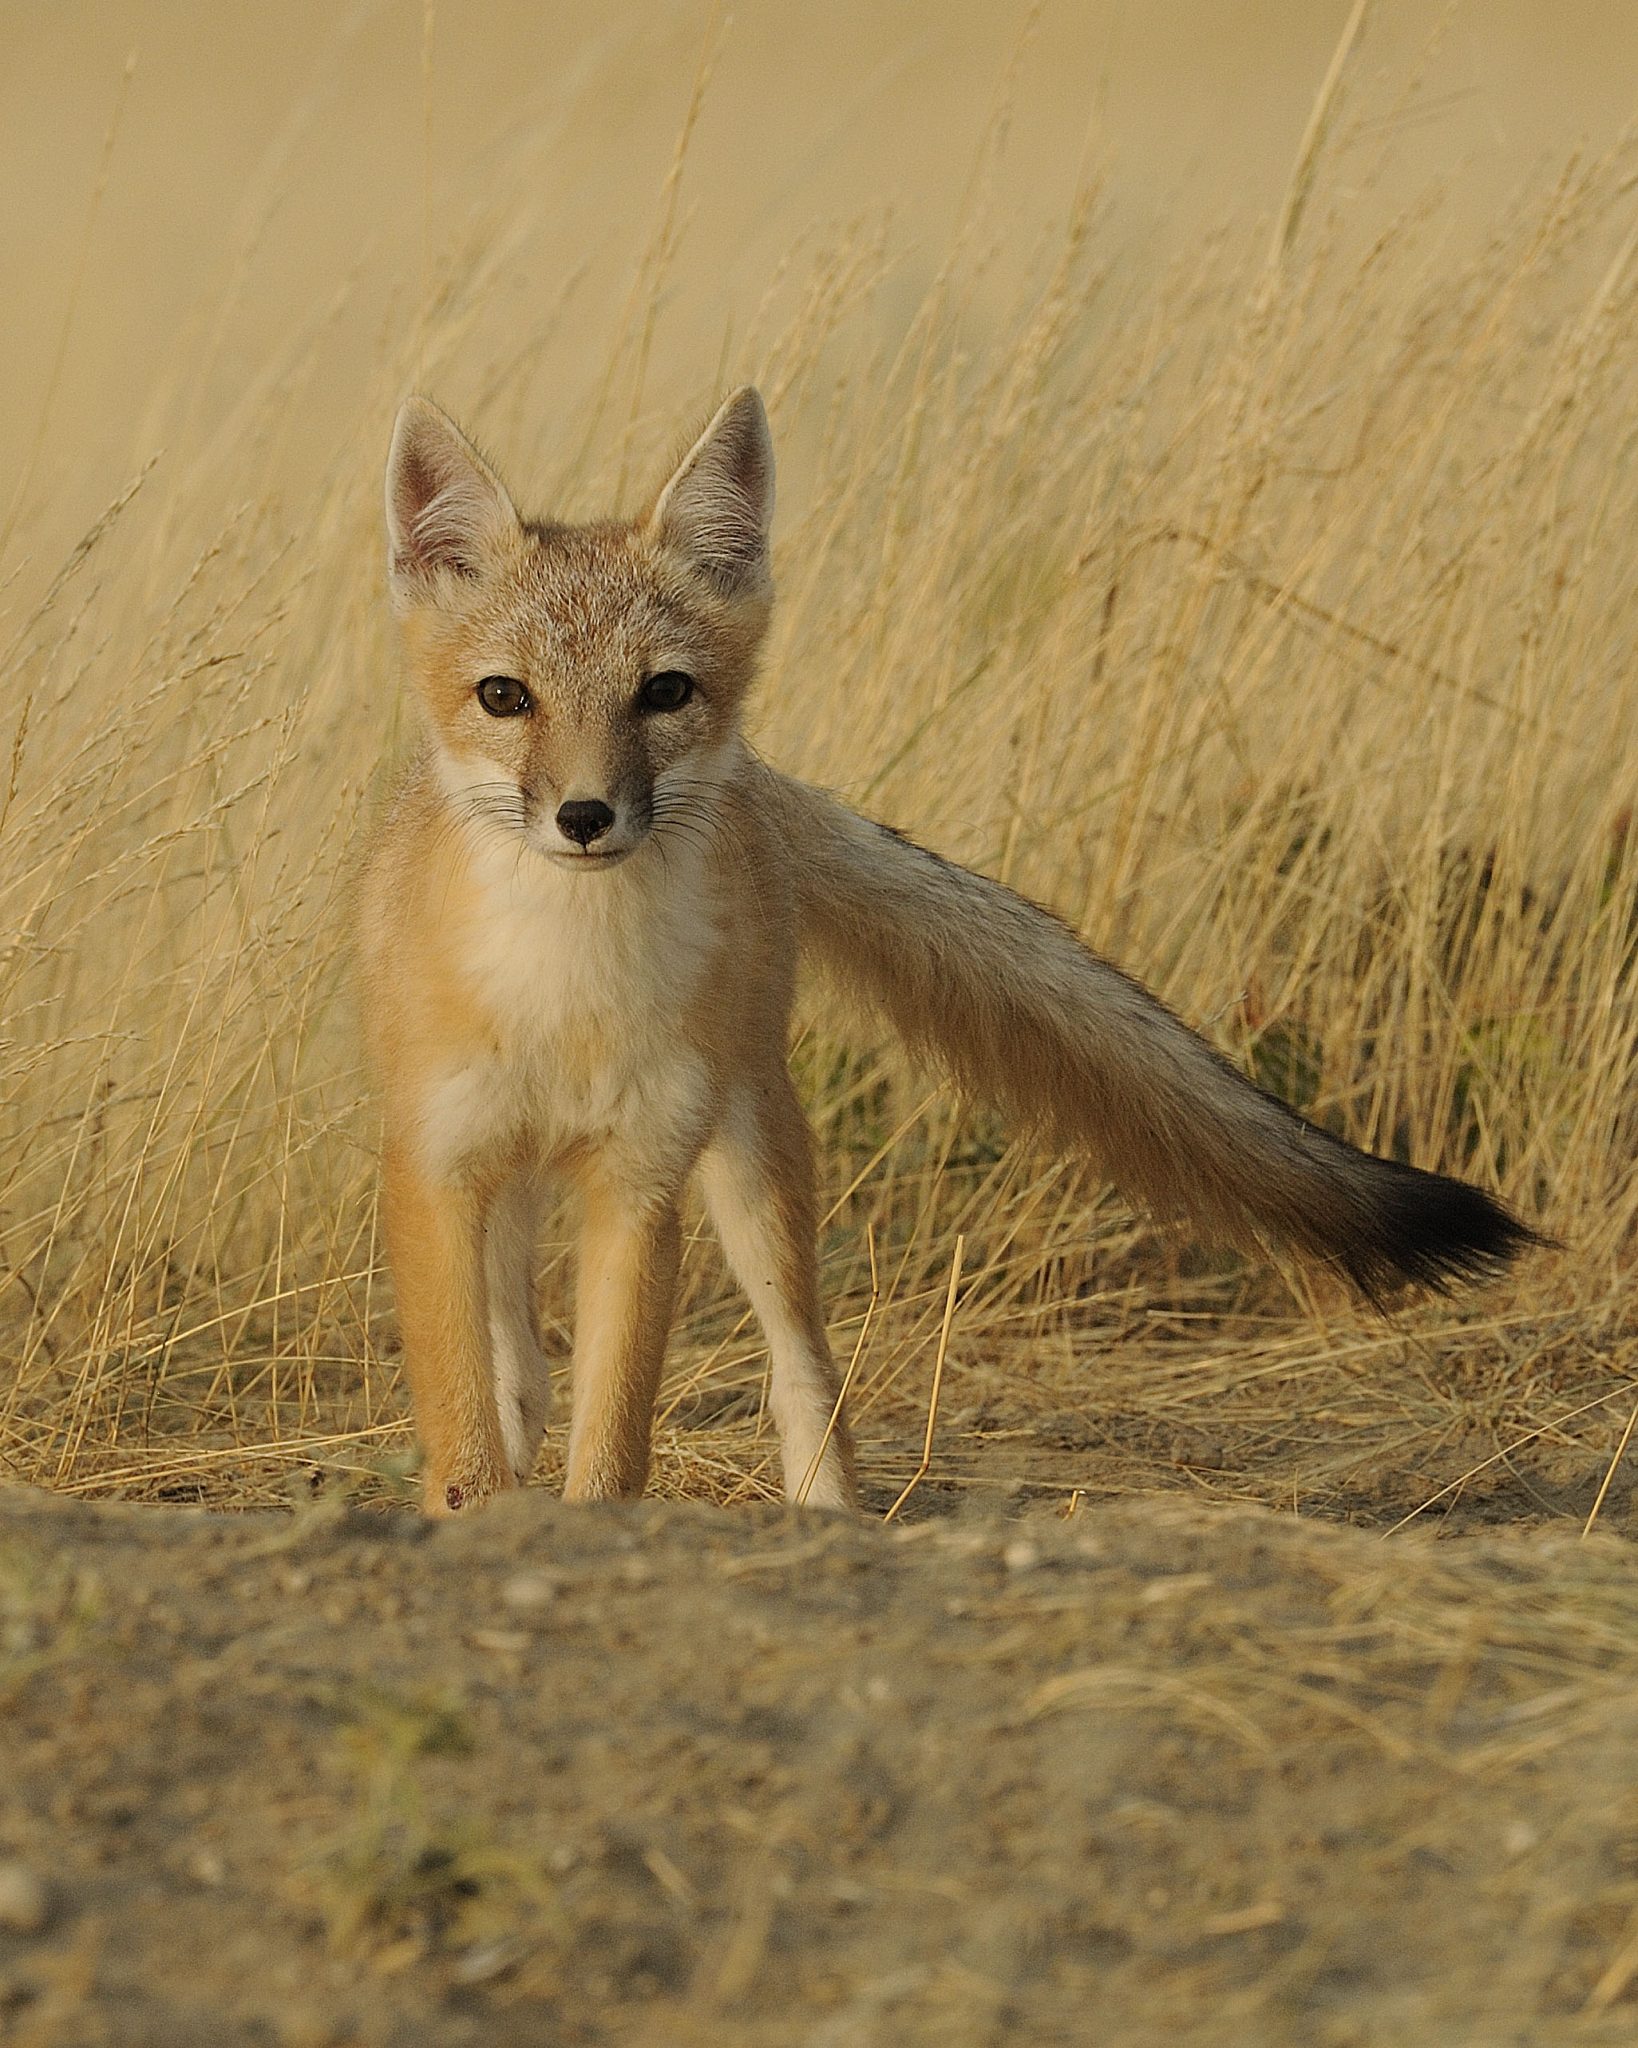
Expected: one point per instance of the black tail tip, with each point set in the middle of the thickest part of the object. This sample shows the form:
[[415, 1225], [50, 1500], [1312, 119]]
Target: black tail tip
[[1431, 1231]]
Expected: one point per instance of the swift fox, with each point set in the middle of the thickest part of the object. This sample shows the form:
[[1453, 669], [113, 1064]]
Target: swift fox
[[581, 921]]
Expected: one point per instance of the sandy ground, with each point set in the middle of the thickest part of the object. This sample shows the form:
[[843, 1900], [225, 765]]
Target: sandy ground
[[670, 1774]]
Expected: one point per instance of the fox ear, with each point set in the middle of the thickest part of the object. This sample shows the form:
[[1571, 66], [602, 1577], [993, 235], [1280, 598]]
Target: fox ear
[[444, 502], [718, 506]]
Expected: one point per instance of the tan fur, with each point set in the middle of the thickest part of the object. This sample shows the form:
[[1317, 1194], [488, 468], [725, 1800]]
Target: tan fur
[[615, 1013]]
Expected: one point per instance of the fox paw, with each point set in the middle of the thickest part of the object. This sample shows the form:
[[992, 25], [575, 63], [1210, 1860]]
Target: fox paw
[[442, 1498]]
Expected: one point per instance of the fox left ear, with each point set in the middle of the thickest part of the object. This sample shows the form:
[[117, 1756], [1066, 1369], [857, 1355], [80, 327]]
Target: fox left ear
[[444, 503], [718, 506]]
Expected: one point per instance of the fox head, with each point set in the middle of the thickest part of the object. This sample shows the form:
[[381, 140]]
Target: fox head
[[582, 683]]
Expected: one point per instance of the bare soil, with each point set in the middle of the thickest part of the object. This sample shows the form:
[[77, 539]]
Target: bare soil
[[668, 1774]]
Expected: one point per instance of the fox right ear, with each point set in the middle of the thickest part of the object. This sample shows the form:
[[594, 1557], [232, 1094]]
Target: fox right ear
[[444, 502], [719, 504]]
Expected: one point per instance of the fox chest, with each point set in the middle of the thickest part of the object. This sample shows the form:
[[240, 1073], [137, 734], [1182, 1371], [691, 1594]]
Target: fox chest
[[588, 1042]]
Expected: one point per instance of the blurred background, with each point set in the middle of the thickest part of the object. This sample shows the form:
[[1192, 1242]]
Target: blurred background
[[315, 169]]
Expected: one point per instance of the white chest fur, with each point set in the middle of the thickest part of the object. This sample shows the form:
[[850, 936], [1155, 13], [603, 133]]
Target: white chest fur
[[589, 980]]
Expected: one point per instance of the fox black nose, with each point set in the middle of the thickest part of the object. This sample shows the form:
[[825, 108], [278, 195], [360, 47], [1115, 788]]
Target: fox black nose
[[584, 819]]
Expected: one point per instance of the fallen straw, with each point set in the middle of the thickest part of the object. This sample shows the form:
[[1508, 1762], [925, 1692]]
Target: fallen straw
[[847, 1377], [920, 1472]]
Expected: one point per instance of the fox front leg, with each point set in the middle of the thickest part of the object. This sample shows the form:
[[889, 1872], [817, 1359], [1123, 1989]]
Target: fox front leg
[[630, 1249], [435, 1245]]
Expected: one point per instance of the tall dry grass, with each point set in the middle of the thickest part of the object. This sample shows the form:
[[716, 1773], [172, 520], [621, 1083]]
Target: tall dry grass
[[1272, 618]]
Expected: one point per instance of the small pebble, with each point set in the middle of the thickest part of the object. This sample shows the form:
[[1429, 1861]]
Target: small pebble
[[500, 1642], [1021, 1555], [526, 1592], [25, 1904], [486, 1962]]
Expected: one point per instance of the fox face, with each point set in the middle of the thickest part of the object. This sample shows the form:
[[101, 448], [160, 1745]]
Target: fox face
[[581, 685]]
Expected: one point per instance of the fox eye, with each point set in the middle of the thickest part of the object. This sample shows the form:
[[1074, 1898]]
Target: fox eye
[[670, 690], [504, 697]]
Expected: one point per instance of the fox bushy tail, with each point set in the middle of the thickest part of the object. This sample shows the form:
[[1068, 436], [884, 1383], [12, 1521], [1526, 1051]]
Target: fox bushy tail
[[1021, 1015]]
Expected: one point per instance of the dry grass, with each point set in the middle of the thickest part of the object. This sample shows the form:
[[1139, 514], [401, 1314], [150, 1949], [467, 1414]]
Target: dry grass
[[1270, 616]]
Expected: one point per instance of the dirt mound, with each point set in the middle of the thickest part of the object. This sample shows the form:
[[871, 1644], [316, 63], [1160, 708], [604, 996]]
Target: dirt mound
[[669, 1775]]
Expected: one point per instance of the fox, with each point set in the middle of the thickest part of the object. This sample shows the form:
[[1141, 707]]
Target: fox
[[580, 922]]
